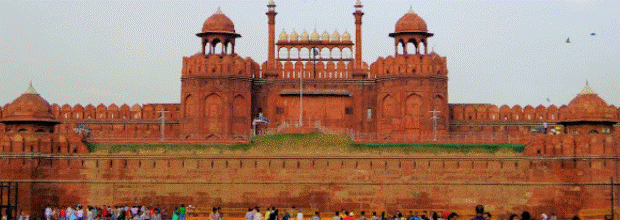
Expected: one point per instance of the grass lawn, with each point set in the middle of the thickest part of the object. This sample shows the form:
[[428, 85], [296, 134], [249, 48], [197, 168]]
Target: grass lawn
[[313, 143]]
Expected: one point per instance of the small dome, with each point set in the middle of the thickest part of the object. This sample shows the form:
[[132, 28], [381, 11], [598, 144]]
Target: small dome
[[325, 36], [293, 36], [314, 36], [346, 36], [411, 22], [30, 106], [218, 23], [336, 36], [304, 36], [588, 106], [283, 36], [358, 4]]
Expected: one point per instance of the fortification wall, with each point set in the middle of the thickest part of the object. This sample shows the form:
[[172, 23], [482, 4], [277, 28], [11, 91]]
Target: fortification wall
[[503, 184], [506, 124], [111, 124]]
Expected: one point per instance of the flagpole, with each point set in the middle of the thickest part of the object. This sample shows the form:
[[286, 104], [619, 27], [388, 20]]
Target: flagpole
[[301, 103]]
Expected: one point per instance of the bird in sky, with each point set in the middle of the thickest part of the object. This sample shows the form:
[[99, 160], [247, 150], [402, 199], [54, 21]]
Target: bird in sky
[[568, 40], [593, 34]]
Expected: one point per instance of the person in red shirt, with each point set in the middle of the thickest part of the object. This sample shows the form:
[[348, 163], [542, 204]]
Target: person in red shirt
[[104, 212], [350, 217], [62, 213]]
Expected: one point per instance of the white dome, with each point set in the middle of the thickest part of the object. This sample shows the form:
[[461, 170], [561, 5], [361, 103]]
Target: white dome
[[346, 36], [283, 36], [293, 36], [304, 36], [325, 36], [314, 36], [336, 36]]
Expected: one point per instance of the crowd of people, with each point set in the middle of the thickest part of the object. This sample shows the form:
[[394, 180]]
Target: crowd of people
[[110, 213], [179, 213], [297, 214]]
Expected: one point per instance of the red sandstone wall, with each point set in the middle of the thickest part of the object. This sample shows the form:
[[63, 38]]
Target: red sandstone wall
[[119, 125], [570, 145], [503, 184]]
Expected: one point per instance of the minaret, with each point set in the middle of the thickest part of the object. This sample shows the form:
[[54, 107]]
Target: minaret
[[271, 59], [358, 72]]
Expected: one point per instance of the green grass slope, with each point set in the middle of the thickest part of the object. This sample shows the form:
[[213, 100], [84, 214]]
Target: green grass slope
[[308, 144]]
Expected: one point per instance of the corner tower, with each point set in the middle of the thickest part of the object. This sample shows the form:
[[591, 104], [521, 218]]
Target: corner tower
[[216, 86], [412, 88]]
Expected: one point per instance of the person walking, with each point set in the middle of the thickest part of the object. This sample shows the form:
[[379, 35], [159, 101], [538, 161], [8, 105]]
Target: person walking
[[249, 215], [300, 215], [374, 216], [182, 212], [175, 214], [48, 213], [316, 216], [286, 216], [257, 215], [479, 213], [349, 216]]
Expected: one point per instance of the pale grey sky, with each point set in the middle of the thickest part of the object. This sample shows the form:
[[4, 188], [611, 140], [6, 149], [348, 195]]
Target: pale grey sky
[[499, 52]]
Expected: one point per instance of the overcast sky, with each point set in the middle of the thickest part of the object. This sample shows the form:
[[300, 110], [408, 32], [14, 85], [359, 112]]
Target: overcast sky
[[499, 52]]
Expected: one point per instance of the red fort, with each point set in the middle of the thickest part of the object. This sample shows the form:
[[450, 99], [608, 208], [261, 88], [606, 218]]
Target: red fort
[[310, 84]]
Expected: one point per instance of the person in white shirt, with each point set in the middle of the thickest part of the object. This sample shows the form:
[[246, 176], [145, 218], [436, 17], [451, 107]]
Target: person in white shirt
[[48, 213], [68, 212], [80, 213], [257, 215], [89, 214], [300, 215]]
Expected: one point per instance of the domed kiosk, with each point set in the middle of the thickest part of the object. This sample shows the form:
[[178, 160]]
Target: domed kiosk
[[588, 113], [218, 29], [29, 113], [410, 28]]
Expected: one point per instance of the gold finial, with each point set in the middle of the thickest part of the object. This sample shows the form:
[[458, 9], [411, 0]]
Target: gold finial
[[219, 11], [587, 90], [30, 89]]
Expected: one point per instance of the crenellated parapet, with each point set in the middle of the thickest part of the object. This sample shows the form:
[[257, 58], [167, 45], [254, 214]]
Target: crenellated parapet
[[515, 114], [113, 124], [78, 113], [431, 65], [314, 70], [571, 145], [200, 65]]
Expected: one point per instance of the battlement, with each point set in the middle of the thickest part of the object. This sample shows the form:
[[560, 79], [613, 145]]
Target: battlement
[[78, 113], [410, 65], [219, 65], [489, 112]]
